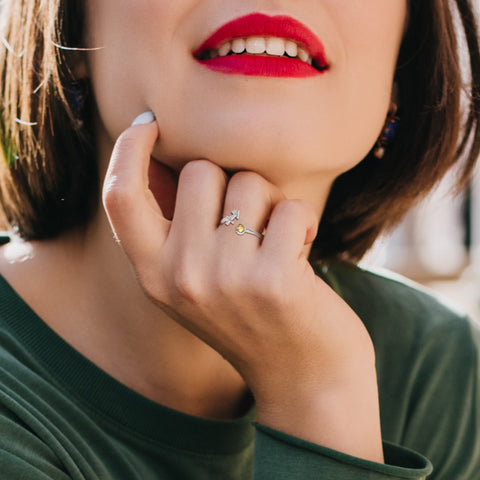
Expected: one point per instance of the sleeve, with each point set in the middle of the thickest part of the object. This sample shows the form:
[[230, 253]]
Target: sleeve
[[444, 414], [442, 394], [279, 456]]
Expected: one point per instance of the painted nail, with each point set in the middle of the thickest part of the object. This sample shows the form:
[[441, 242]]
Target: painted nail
[[144, 118]]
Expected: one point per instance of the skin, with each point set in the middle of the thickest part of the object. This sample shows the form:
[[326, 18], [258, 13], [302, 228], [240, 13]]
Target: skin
[[186, 312]]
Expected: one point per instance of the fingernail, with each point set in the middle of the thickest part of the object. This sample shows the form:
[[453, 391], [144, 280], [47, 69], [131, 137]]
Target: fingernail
[[144, 118]]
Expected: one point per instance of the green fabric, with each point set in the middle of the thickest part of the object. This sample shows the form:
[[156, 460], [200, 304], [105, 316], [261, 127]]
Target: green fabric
[[62, 418]]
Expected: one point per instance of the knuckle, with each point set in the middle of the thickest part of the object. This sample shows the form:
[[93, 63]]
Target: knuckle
[[150, 283], [187, 287], [227, 280], [117, 190], [200, 170], [292, 208], [255, 183], [117, 197], [200, 177], [264, 283]]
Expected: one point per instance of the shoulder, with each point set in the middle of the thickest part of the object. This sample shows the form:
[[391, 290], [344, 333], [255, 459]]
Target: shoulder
[[390, 303], [420, 341], [427, 357]]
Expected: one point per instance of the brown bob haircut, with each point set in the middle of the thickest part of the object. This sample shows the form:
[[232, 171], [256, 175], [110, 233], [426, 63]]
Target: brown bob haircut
[[48, 177]]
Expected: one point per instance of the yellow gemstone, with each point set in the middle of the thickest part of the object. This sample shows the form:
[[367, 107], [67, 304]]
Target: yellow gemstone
[[240, 228]]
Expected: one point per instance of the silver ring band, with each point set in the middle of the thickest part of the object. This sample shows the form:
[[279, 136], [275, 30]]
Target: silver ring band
[[242, 230]]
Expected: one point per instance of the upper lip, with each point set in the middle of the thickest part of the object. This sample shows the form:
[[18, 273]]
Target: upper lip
[[258, 24]]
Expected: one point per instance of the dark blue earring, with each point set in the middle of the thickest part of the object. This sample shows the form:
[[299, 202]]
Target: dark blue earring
[[388, 134], [76, 95]]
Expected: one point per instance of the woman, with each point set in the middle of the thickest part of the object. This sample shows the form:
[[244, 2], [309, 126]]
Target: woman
[[138, 354]]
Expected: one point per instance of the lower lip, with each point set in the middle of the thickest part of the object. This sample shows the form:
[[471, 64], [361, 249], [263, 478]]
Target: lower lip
[[262, 66]]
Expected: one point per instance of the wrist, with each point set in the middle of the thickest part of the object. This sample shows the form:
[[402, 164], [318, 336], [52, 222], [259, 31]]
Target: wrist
[[341, 416]]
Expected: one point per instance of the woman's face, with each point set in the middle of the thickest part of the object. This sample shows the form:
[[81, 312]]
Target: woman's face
[[283, 125]]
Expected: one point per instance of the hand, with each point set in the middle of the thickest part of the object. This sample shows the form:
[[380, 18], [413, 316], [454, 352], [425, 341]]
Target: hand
[[303, 352]]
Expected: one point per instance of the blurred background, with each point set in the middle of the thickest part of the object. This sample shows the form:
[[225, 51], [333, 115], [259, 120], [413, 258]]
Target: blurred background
[[438, 245]]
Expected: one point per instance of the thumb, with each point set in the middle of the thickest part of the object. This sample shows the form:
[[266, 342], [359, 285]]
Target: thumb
[[132, 210]]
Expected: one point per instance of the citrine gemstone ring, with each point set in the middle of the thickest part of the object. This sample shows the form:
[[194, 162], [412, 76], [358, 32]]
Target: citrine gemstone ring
[[242, 230]]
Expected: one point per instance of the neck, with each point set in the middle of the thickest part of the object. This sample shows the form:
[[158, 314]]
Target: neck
[[103, 313]]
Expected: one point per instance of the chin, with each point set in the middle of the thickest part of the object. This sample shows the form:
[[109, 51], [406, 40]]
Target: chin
[[279, 156], [236, 141]]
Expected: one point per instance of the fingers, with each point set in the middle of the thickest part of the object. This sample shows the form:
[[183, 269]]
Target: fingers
[[293, 224], [200, 194], [130, 205], [290, 224], [203, 197], [251, 199]]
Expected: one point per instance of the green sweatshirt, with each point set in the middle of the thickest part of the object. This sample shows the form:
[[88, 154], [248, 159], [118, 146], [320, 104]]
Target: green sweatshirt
[[61, 417]]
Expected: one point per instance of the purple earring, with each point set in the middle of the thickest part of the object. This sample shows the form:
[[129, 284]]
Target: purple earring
[[388, 134]]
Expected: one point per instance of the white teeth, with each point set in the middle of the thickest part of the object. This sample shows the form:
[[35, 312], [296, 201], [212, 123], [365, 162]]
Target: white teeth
[[225, 49], [302, 54], [291, 49], [255, 45], [238, 45], [274, 46]]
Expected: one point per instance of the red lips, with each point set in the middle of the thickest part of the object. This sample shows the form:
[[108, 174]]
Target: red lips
[[261, 25]]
